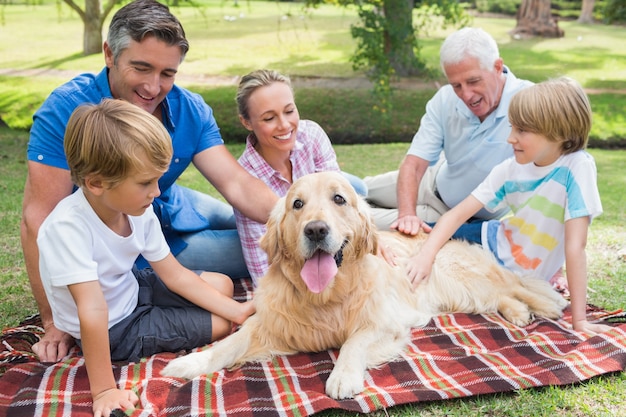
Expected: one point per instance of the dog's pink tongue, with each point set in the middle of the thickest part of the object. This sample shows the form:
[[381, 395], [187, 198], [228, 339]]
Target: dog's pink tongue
[[318, 271]]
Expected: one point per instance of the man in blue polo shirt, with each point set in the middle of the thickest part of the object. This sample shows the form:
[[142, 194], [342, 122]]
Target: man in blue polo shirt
[[144, 48]]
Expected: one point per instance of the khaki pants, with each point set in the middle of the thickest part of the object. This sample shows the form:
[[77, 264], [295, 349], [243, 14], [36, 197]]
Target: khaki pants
[[383, 200]]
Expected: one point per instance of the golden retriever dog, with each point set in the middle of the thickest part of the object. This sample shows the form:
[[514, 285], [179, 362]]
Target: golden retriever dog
[[326, 288]]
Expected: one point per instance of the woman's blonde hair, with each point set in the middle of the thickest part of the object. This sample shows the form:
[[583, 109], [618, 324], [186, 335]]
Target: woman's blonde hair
[[250, 82], [111, 138], [558, 109]]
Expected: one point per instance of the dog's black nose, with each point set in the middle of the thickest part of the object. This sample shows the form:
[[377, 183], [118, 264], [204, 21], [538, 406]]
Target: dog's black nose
[[316, 230]]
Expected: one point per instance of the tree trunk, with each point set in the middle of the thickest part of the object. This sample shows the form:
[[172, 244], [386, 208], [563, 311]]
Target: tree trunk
[[534, 18], [93, 20], [92, 35], [399, 37], [586, 13]]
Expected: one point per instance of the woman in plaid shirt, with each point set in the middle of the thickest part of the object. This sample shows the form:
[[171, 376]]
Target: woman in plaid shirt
[[279, 149]]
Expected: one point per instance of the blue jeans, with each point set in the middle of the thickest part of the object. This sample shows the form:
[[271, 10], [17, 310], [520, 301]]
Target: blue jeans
[[357, 183], [470, 231], [217, 249]]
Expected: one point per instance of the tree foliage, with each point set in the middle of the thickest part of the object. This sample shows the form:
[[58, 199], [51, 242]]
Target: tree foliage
[[387, 36], [615, 11]]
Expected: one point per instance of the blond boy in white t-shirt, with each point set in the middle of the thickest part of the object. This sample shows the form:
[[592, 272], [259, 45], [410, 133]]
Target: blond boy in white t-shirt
[[89, 243]]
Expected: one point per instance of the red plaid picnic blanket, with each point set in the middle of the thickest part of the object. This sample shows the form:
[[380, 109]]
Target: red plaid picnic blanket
[[455, 355]]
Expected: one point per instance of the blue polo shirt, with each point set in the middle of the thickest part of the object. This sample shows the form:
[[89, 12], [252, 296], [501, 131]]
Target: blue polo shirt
[[187, 118]]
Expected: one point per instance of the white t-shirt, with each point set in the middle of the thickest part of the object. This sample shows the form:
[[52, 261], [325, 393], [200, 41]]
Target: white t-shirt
[[542, 199], [76, 246]]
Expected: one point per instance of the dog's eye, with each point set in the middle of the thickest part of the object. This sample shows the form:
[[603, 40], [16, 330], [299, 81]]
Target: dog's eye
[[298, 204], [339, 200]]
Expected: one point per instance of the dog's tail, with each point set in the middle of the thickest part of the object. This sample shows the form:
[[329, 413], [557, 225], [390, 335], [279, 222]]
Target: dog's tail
[[542, 299]]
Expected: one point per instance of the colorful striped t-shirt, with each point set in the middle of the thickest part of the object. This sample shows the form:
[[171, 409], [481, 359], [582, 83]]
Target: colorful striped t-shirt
[[541, 199]]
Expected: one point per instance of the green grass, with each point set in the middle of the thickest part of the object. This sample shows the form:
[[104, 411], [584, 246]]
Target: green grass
[[17, 302], [305, 43], [281, 35]]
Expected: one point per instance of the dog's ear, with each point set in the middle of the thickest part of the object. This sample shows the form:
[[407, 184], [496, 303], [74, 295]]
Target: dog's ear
[[270, 241], [367, 229]]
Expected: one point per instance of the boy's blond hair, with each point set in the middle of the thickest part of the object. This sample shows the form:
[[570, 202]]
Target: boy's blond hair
[[109, 139], [558, 109]]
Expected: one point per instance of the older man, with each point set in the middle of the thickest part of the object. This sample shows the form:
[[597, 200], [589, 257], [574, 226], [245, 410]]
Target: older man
[[461, 137]]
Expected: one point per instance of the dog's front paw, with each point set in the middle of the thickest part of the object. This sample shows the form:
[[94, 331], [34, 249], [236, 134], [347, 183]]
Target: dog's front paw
[[189, 366], [342, 385], [519, 318], [553, 310]]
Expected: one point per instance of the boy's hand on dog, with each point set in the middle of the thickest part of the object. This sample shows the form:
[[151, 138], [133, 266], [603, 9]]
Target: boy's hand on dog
[[418, 270], [247, 308]]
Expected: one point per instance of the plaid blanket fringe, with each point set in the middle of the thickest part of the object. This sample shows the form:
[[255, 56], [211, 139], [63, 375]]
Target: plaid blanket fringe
[[455, 355]]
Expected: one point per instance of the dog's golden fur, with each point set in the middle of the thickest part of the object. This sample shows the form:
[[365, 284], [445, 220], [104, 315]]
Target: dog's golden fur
[[368, 308]]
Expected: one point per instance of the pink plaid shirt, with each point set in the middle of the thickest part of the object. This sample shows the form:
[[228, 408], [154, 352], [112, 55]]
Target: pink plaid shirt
[[313, 152]]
